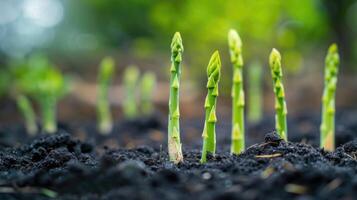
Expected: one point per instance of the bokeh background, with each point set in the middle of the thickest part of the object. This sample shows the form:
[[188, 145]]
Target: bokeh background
[[76, 35]]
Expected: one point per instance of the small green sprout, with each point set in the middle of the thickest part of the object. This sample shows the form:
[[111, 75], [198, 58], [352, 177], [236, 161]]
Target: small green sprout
[[106, 71], [280, 103], [25, 107], [327, 128], [50, 87], [131, 76], [235, 50], [174, 143], [255, 96], [147, 86], [38, 78], [209, 130]]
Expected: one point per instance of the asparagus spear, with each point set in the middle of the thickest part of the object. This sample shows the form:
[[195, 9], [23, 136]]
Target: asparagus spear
[[280, 103], [235, 49], [209, 131], [327, 128], [174, 143]]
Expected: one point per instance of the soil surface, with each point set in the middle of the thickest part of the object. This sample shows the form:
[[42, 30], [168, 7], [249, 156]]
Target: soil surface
[[62, 167]]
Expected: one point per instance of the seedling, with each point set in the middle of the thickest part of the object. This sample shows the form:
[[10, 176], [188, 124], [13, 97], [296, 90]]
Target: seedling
[[38, 78], [280, 104], [131, 76], [25, 107], [147, 86], [235, 50], [255, 112], [106, 71], [327, 128], [50, 87], [209, 130], [174, 143]]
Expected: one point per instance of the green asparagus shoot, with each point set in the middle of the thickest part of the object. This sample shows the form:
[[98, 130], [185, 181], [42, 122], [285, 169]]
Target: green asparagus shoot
[[255, 110], [131, 76], [280, 103], [327, 128], [106, 71], [25, 107], [50, 87], [235, 50], [174, 143], [148, 83], [209, 130]]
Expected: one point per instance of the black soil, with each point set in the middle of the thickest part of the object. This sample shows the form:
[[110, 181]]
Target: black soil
[[62, 167]]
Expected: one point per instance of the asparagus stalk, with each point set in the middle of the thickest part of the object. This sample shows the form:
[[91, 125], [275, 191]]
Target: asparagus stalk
[[174, 143], [48, 109], [327, 128], [148, 83], [131, 76], [280, 103], [106, 71], [255, 112], [209, 131], [235, 50], [25, 107]]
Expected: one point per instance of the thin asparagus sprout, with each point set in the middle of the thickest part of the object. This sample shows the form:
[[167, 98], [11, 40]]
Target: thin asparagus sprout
[[327, 128], [255, 110], [131, 76], [106, 71], [280, 103], [209, 130], [174, 143], [25, 107], [235, 49], [148, 84], [51, 87]]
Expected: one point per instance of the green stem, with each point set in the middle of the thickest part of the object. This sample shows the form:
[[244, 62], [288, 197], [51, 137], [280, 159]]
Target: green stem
[[131, 76], [280, 103], [255, 93], [209, 131], [105, 122], [148, 83], [48, 107], [174, 143], [24, 105], [328, 100], [238, 102]]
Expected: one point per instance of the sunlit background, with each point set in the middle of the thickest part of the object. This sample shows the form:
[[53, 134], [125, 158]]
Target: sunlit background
[[77, 34]]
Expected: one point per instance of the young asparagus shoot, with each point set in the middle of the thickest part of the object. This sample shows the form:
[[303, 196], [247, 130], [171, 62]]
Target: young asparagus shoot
[[235, 50], [147, 85], [209, 130], [106, 71], [174, 141], [255, 110], [25, 107], [50, 88], [131, 76], [327, 128], [280, 103]]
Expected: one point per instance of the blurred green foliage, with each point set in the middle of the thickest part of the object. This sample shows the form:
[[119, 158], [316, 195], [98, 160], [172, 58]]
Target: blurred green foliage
[[144, 28], [38, 78]]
